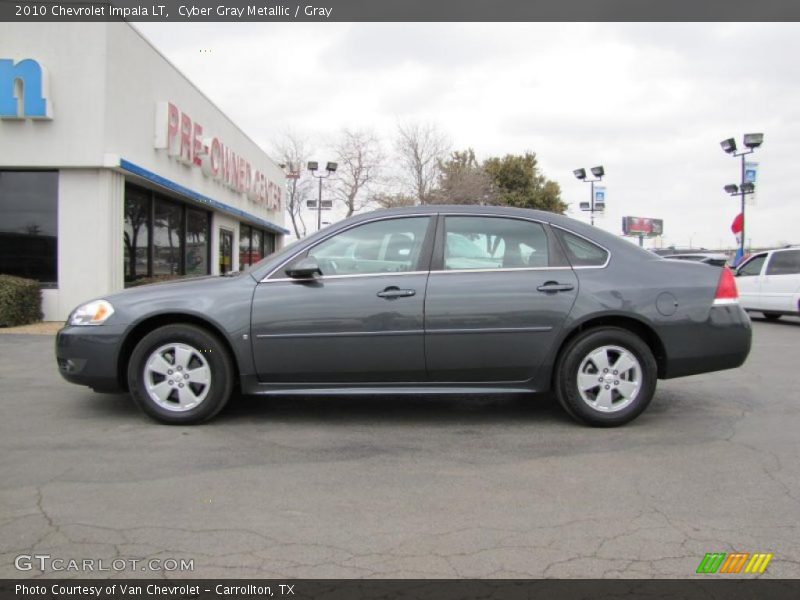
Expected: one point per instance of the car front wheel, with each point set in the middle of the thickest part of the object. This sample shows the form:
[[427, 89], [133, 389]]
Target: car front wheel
[[606, 377], [180, 374]]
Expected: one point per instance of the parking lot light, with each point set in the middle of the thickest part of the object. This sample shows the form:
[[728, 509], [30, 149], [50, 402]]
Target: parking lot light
[[728, 145], [751, 141], [330, 168], [598, 173]]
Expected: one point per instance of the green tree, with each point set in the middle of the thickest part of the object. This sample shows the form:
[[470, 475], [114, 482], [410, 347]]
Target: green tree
[[517, 181]]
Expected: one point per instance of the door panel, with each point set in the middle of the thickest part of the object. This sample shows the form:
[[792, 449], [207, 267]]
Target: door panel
[[340, 330], [748, 282], [493, 325], [494, 308], [781, 281], [361, 320]]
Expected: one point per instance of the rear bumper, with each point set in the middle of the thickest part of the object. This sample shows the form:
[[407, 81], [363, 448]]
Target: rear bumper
[[88, 356], [721, 342]]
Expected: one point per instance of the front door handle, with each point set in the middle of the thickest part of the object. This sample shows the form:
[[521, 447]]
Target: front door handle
[[554, 286], [393, 292]]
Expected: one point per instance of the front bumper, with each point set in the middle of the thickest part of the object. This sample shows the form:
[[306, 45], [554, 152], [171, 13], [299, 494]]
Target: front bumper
[[720, 342], [89, 355]]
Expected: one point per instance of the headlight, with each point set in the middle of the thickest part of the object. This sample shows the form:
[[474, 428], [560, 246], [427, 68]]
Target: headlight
[[91, 313]]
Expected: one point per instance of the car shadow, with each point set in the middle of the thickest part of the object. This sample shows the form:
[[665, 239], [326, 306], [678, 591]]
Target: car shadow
[[392, 409], [785, 321]]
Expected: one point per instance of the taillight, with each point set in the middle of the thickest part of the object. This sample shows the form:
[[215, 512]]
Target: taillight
[[726, 288]]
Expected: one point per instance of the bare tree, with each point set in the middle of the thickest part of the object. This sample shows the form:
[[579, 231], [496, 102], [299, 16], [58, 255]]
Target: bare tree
[[385, 200], [360, 158], [420, 148], [291, 151]]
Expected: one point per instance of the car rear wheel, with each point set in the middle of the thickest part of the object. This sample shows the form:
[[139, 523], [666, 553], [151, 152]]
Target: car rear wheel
[[771, 316], [180, 374], [606, 377]]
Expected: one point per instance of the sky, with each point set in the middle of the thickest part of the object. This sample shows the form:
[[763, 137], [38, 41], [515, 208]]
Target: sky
[[649, 102]]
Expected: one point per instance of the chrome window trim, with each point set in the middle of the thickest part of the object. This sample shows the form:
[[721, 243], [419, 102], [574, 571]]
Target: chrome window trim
[[591, 241], [350, 276], [266, 279], [499, 270]]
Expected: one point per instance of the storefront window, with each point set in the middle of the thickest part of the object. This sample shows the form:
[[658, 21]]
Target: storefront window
[[269, 243], [196, 242], [29, 225], [167, 238], [244, 246], [163, 238], [137, 232], [254, 244]]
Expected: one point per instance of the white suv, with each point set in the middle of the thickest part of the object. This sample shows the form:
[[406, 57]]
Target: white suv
[[769, 282]]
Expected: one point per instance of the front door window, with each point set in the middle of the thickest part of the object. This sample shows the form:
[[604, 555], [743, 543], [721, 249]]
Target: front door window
[[389, 246]]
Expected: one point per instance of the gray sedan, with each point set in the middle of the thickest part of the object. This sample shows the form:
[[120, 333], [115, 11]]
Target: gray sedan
[[434, 299]]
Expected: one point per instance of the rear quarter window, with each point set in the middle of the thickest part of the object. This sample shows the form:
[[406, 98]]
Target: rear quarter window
[[786, 262], [581, 252]]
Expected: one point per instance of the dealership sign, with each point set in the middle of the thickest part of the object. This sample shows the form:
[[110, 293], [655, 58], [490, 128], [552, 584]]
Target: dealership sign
[[184, 139], [24, 88]]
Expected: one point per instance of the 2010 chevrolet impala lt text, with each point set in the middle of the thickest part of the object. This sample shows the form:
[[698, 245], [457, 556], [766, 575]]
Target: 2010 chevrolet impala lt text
[[433, 299]]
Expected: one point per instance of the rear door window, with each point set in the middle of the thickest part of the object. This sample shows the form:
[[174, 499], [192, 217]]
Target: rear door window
[[493, 243]]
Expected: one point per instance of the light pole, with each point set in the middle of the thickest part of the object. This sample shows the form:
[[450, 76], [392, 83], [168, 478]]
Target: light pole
[[751, 141], [330, 168], [598, 173]]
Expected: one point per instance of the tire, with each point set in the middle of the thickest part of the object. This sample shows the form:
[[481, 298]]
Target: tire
[[620, 397], [180, 374], [771, 316]]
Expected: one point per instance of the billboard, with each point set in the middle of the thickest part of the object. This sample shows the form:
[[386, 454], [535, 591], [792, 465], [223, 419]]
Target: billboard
[[642, 226]]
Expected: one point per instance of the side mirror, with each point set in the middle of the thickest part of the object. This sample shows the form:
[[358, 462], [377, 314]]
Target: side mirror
[[305, 268]]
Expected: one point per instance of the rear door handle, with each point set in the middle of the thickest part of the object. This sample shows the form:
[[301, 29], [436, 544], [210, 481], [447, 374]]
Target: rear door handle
[[554, 286], [393, 292]]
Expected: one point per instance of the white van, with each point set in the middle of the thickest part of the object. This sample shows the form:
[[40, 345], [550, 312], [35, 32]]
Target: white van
[[769, 282]]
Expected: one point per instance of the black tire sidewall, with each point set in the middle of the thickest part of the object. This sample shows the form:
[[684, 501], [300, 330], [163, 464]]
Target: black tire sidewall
[[567, 371], [214, 352]]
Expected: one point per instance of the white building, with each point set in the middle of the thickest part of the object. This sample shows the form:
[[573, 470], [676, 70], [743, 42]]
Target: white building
[[114, 167]]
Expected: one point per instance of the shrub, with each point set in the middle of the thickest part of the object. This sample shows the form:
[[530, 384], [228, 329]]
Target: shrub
[[20, 301]]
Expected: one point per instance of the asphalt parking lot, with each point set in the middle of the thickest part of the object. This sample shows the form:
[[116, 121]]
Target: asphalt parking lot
[[405, 487]]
